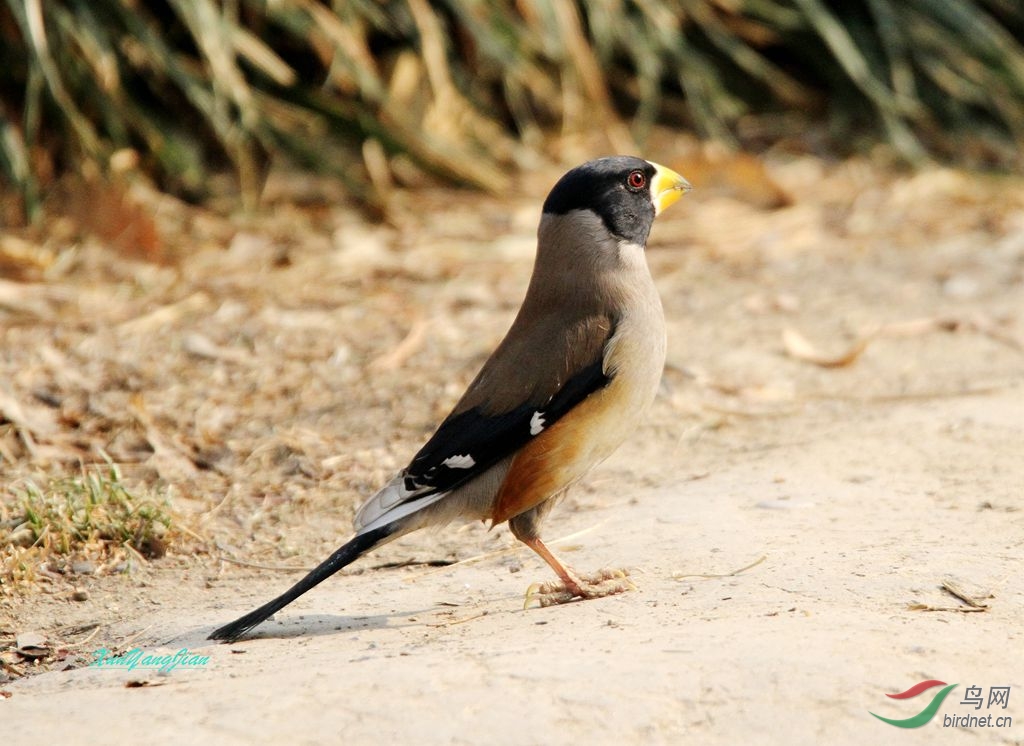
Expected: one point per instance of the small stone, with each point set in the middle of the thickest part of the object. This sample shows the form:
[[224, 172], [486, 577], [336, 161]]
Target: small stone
[[80, 594]]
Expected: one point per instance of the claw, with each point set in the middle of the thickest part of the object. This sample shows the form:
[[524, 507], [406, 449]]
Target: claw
[[602, 583], [535, 588]]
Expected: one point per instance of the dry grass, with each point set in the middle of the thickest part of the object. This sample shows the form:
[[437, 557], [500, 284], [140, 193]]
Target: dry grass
[[374, 92]]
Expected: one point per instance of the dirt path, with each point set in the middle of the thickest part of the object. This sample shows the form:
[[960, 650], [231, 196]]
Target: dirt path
[[849, 488]]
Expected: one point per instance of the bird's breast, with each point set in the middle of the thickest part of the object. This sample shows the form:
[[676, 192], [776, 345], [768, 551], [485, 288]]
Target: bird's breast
[[634, 358]]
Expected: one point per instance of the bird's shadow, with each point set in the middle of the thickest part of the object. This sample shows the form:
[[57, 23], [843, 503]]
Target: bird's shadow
[[302, 625]]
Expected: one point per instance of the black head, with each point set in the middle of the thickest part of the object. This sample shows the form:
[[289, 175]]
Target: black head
[[617, 189]]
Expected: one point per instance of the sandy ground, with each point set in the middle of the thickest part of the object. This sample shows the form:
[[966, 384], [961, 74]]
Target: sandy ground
[[788, 514]]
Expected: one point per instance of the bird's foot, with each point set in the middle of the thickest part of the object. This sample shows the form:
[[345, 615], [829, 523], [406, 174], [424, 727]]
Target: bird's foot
[[595, 585]]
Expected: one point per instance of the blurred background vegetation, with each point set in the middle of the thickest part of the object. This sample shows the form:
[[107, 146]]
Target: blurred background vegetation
[[469, 90]]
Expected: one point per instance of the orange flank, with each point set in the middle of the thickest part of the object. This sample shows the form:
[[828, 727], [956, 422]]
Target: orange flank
[[559, 456]]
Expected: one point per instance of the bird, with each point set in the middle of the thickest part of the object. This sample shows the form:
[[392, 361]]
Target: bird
[[570, 381]]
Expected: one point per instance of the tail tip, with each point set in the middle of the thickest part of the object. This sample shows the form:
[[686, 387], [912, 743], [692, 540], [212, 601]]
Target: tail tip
[[229, 632]]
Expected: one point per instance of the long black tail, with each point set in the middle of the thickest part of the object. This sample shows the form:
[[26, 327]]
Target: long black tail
[[346, 555]]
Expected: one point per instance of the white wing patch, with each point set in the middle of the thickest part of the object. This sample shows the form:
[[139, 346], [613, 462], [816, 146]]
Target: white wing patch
[[392, 502], [465, 461], [537, 423]]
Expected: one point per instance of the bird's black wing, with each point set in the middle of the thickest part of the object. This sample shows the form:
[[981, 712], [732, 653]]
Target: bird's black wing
[[470, 442], [519, 393]]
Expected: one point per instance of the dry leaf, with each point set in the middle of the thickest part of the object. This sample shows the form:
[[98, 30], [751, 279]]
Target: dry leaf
[[202, 346], [21, 259], [109, 211], [799, 347], [929, 607], [394, 359], [32, 645], [10, 658], [912, 327], [166, 315], [977, 323], [24, 299], [954, 589]]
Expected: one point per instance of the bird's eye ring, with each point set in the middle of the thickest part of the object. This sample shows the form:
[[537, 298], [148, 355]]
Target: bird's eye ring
[[636, 180]]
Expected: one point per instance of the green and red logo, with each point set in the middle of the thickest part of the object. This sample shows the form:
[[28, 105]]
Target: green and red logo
[[928, 712]]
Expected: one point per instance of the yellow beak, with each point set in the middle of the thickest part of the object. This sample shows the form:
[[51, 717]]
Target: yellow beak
[[666, 187]]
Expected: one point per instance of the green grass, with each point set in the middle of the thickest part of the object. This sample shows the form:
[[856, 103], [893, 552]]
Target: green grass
[[93, 516]]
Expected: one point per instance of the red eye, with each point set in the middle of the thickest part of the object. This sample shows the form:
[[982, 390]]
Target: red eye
[[636, 180]]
